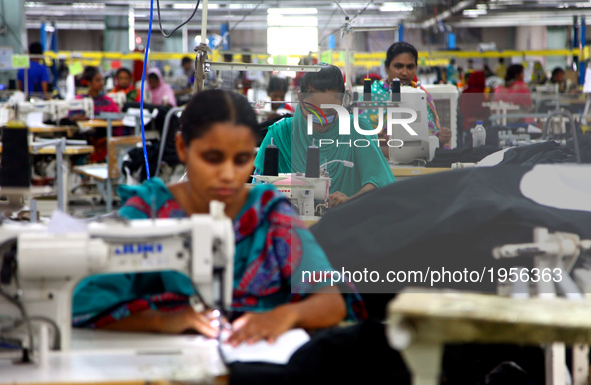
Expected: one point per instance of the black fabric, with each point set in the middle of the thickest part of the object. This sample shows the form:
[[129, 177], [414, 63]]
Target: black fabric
[[545, 152], [446, 157], [448, 220], [360, 354], [170, 156], [137, 163]]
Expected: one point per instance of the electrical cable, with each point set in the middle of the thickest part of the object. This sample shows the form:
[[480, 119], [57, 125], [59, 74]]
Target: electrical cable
[[57, 335], [24, 315], [177, 28], [142, 90], [245, 16]]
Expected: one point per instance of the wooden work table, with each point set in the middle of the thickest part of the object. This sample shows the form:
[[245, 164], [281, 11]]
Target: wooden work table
[[68, 130], [98, 123], [50, 150]]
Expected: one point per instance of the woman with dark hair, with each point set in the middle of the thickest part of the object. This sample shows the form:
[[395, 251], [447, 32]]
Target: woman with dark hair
[[216, 144], [125, 85], [92, 78], [515, 90], [402, 63], [276, 90], [291, 136]]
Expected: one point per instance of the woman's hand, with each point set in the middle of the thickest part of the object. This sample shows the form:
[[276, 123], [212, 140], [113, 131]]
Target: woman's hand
[[187, 319], [253, 327], [336, 199], [78, 117], [444, 135]]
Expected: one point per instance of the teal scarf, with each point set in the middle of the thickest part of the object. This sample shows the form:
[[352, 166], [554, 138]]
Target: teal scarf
[[291, 138]]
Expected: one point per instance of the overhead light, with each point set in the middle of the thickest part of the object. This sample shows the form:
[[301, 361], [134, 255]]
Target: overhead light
[[242, 6], [474, 12], [353, 5], [396, 7], [278, 20], [480, 6], [192, 6], [293, 11], [88, 5]]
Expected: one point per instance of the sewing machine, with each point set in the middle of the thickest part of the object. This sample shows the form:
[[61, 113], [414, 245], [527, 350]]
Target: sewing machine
[[54, 109], [421, 321], [118, 97], [41, 265], [303, 192]]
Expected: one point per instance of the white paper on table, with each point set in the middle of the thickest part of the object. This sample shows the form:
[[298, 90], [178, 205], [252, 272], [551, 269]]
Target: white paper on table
[[35, 119], [278, 353], [566, 187], [64, 223]]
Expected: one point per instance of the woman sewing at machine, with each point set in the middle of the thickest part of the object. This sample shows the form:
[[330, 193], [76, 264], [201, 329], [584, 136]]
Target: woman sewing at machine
[[370, 170], [92, 78], [402, 63], [217, 146]]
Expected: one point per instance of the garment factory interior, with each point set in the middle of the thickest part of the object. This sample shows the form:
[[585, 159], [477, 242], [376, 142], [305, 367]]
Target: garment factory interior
[[295, 192]]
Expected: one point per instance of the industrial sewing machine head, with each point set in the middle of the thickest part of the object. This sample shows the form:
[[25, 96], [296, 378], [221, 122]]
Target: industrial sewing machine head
[[23, 109], [62, 108], [54, 109], [555, 256], [309, 196], [41, 267]]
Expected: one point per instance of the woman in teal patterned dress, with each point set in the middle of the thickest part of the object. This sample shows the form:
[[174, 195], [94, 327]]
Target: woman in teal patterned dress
[[272, 246]]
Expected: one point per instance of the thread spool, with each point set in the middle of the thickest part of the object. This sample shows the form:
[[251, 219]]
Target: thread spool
[[313, 161], [395, 90], [271, 164], [16, 170], [367, 90]]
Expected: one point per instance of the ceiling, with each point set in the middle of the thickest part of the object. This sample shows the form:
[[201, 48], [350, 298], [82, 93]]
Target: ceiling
[[241, 14]]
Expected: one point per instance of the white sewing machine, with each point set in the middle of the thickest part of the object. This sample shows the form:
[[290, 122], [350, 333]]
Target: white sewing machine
[[421, 321], [302, 192], [118, 97], [54, 109], [47, 265], [413, 147]]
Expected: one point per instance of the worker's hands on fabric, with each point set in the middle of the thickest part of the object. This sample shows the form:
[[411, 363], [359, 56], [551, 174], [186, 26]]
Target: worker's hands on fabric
[[78, 117], [188, 319], [253, 327], [444, 135], [336, 199]]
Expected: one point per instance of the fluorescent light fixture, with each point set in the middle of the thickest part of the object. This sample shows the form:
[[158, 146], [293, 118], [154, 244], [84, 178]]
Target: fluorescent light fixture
[[352, 5], [242, 6], [278, 20], [293, 11], [396, 7], [480, 6], [474, 12], [88, 5], [280, 40], [192, 6]]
